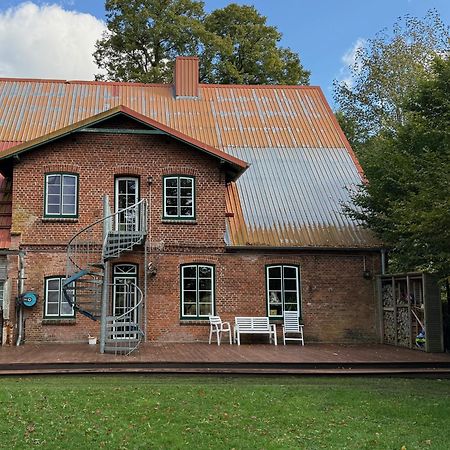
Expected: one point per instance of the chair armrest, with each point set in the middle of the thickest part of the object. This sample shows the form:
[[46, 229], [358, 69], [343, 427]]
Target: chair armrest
[[226, 326]]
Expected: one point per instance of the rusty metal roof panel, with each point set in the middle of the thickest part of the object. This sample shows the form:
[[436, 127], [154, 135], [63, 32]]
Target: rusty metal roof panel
[[301, 161], [294, 198]]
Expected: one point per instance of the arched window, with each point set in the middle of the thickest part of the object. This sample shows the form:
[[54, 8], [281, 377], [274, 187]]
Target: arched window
[[283, 289]]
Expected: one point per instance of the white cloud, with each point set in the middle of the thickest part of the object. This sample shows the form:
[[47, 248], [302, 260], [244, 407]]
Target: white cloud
[[350, 62], [47, 42]]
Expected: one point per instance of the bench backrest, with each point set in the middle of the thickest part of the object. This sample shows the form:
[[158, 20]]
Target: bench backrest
[[252, 323]]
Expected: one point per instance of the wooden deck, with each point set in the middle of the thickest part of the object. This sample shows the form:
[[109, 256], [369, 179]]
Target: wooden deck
[[313, 359]]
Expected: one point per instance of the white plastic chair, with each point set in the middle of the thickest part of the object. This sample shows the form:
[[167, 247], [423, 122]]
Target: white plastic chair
[[217, 326], [292, 326]]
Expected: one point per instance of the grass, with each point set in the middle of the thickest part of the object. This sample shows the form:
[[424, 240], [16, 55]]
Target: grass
[[137, 412]]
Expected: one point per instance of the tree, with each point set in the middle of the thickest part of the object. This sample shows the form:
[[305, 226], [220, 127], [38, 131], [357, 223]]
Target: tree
[[407, 199], [144, 36], [385, 70], [248, 52], [235, 45]]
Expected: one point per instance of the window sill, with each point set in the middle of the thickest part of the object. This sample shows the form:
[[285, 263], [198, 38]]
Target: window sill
[[60, 219], [180, 221], [194, 322], [57, 321]]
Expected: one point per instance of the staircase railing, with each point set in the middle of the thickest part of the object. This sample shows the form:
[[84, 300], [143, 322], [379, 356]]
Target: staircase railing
[[124, 333], [88, 250]]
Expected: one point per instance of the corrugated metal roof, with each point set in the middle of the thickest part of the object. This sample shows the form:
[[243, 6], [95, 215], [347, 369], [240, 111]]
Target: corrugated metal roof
[[271, 125], [294, 198]]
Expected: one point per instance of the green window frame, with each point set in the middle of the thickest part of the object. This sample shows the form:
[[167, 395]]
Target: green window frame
[[55, 304], [179, 197], [197, 291], [61, 195], [283, 289]]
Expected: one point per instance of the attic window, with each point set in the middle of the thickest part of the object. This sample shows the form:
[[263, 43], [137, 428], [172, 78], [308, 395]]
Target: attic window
[[179, 197], [61, 195]]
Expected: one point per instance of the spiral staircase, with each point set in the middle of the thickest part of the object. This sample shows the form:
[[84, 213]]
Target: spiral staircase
[[87, 288]]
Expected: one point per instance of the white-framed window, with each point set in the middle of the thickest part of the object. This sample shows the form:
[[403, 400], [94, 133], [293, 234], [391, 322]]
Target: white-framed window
[[179, 197], [56, 305], [197, 291], [61, 195], [283, 290]]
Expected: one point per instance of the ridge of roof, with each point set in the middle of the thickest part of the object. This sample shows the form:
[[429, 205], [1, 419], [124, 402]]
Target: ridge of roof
[[168, 85], [239, 164]]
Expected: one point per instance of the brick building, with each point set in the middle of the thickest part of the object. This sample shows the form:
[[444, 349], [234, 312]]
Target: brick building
[[164, 204]]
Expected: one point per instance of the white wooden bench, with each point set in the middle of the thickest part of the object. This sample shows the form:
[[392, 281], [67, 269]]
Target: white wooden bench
[[254, 325]]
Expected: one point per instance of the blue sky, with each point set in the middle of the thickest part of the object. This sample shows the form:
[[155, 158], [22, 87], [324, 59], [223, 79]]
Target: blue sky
[[320, 31]]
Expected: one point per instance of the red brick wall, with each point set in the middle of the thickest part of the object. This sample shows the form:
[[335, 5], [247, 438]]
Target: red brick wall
[[98, 158], [338, 304]]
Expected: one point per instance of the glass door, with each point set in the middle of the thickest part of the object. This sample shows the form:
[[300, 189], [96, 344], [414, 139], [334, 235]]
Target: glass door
[[127, 194], [124, 296]]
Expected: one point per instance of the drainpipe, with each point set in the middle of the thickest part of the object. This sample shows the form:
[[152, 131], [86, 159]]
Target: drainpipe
[[383, 261], [21, 290]]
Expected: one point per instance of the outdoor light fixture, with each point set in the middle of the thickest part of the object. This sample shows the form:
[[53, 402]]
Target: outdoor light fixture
[[366, 272]]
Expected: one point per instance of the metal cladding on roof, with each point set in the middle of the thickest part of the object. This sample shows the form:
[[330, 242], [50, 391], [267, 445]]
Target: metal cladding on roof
[[294, 197], [268, 126]]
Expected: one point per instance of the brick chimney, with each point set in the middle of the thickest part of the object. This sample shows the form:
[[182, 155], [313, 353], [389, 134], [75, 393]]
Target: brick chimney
[[186, 76]]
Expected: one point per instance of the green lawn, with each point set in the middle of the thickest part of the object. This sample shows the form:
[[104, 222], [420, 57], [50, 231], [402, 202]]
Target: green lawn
[[127, 412]]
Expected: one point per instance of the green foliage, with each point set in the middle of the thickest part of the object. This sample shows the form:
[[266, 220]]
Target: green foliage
[[248, 52], [144, 36], [407, 199], [235, 45], [148, 412], [386, 68]]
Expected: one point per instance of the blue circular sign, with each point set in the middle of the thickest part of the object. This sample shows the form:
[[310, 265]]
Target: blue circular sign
[[29, 299]]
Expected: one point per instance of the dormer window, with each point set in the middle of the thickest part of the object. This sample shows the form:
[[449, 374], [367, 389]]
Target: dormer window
[[179, 197], [61, 195]]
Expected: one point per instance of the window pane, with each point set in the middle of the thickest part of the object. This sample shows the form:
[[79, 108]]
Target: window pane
[[69, 190], [171, 192], [66, 309], [275, 285], [171, 211], [186, 182], [171, 201], [290, 297], [68, 209], [190, 297], [69, 199], [132, 186], [54, 179], [186, 211], [189, 284], [290, 307], [205, 284], [52, 309], [275, 310], [190, 271], [184, 201], [53, 209], [53, 199], [274, 272], [53, 189], [290, 285], [190, 310], [205, 297], [275, 297], [53, 284], [186, 192], [205, 309], [69, 180], [204, 272], [290, 272], [171, 182]]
